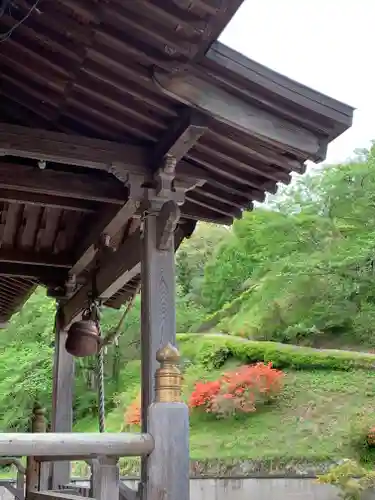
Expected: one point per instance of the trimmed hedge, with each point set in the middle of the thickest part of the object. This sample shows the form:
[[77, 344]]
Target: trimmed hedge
[[213, 351]]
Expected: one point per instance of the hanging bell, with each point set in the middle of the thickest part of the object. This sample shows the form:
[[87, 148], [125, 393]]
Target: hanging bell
[[83, 337]]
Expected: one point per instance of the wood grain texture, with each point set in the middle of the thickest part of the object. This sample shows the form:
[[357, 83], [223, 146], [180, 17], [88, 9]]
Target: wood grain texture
[[168, 464], [235, 112], [158, 316], [62, 401], [106, 478], [68, 444]]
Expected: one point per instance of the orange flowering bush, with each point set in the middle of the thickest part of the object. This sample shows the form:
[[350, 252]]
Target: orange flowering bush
[[238, 391], [133, 412]]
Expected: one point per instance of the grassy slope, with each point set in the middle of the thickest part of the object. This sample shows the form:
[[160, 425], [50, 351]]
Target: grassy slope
[[312, 420]]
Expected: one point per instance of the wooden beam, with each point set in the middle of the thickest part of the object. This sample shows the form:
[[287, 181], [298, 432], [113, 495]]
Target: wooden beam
[[62, 399], [57, 183], [56, 495], [63, 445], [180, 137], [110, 222], [117, 269], [227, 108], [35, 259], [70, 149], [42, 200], [41, 273]]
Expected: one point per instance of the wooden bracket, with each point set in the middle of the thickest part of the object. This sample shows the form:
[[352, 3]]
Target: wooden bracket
[[167, 221]]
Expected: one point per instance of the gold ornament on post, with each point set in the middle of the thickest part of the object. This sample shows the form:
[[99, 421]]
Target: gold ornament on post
[[168, 378]]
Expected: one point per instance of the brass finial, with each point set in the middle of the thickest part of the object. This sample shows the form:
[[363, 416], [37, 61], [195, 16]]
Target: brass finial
[[168, 379], [39, 422]]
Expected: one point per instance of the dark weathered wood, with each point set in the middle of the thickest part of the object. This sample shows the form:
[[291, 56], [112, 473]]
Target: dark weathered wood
[[57, 183], [69, 149], [110, 222], [43, 200], [62, 400], [42, 273], [180, 137], [76, 444], [116, 270], [168, 464], [278, 84], [235, 112], [35, 259]]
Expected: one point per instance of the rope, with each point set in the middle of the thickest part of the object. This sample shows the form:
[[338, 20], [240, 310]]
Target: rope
[[100, 375]]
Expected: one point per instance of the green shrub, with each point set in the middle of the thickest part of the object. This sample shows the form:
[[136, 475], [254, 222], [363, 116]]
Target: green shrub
[[213, 351]]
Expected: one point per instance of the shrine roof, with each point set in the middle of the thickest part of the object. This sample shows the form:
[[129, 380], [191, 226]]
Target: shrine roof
[[93, 91]]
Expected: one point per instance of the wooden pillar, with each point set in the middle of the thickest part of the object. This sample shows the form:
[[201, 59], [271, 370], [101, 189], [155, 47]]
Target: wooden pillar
[[36, 472], [165, 473], [168, 422], [106, 478], [62, 401]]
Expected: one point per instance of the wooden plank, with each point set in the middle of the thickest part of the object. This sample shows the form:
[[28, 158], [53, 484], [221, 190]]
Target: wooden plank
[[35, 259], [180, 137], [67, 444], [278, 84], [110, 222], [168, 464], [42, 273], [62, 400], [158, 320], [106, 479], [116, 270], [56, 495], [62, 202], [237, 113], [58, 183], [70, 149], [127, 493]]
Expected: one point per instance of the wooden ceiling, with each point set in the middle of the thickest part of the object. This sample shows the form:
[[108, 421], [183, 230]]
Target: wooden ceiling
[[94, 90]]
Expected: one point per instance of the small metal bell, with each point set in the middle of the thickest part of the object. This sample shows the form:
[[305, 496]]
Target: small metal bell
[[83, 338]]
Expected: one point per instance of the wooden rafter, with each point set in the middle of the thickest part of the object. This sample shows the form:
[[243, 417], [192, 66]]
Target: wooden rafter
[[115, 271], [226, 108], [180, 137], [56, 183]]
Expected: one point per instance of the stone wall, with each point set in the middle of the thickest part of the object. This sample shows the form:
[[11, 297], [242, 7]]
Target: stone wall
[[246, 489]]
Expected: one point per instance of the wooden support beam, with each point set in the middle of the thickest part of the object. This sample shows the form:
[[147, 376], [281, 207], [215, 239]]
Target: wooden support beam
[[110, 222], [70, 149], [34, 258], [62, 399], [56, 495], [231, 110], [181, 137], [57, 183], [117, 269], [40, 273], [43, 200], [36, 473], [106, 479], [65, 445]]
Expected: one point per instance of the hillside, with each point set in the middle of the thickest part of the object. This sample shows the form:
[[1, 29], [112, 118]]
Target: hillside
[[327, 399]]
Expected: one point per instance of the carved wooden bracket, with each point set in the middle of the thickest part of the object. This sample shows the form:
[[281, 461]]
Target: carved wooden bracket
[[167, 221]]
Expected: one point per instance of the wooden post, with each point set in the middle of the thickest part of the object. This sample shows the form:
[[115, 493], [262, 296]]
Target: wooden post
[[106, 478], [168, 422], [165, 473], [36, 473], [62, 401]]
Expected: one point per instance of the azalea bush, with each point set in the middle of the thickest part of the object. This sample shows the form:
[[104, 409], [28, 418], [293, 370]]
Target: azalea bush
[[238, 391], [132, 414]]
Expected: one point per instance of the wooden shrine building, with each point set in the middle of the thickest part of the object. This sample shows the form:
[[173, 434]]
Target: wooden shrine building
[[122, 124]]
